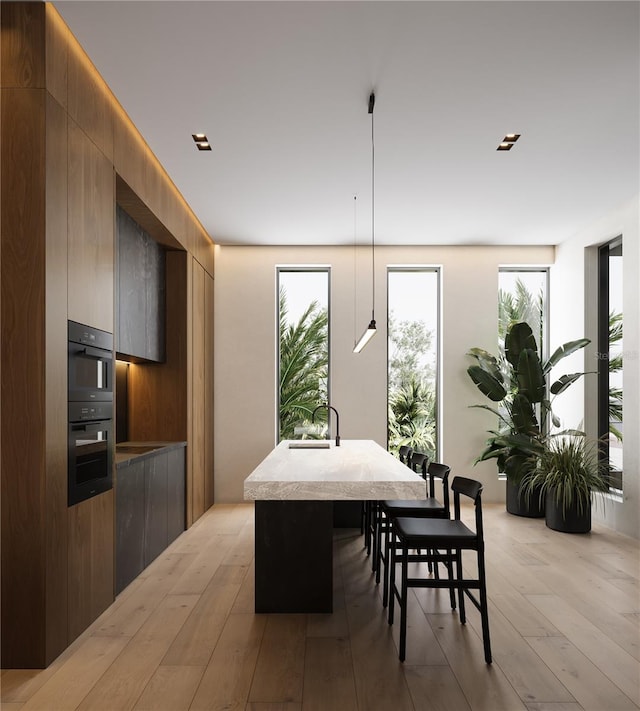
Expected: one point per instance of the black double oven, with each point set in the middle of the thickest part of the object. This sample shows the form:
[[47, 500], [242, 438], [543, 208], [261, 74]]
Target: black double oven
[[91, 439]]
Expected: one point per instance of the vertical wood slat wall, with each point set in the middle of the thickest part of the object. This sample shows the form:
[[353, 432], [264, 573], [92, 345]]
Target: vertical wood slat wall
[[66, 143]]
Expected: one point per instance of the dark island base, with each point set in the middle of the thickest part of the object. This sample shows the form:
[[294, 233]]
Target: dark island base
[[294, 556]]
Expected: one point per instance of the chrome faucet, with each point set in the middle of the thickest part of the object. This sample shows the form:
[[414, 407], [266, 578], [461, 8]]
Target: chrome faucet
[[329, 407]]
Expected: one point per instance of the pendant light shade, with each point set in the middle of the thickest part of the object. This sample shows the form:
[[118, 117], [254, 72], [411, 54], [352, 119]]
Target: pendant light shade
[[370, 331], [366, 337]]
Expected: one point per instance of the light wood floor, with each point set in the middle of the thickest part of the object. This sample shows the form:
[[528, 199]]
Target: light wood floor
[[564, 618]]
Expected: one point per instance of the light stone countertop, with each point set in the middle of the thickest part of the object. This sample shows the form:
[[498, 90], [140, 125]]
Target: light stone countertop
[[357, 469]]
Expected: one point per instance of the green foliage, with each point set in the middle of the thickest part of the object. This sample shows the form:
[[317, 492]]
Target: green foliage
[[412, 417], [522, 437], [523, 306], [615, 366], [410, 340], [304, 360], [412, 409], [571, 470]]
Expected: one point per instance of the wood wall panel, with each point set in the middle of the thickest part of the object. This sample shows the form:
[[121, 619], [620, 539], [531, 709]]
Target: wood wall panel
[[129, 156], [90, 101], [208, 391], [158, 392], [22, 265], [56, 379], [198, 440], [56, 55], [91, 210], [127, 198], [90, 568], [22, 46]]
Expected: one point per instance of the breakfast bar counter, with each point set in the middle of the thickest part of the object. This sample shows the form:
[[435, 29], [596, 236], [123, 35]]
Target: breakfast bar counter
[[294, 488]]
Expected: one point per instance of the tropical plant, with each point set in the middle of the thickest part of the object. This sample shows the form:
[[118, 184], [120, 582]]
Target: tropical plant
[[569, 470], [411, 341], [525, 407], [615, 366], [304, 360], [412, 417], [520, 306]]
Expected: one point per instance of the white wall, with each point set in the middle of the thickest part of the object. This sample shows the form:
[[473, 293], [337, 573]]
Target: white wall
[[573, 314], [245, 348]]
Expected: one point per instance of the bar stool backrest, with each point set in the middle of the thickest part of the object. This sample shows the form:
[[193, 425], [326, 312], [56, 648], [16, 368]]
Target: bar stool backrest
[[405, 453], [419, 463], [473, 489], [441, 471]]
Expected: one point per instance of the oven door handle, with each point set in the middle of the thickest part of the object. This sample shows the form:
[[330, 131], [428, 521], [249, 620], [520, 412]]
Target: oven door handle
[[96, 353], [88, 427]]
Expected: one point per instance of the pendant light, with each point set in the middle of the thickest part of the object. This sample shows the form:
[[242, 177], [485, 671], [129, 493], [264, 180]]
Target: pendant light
[[370, 331]]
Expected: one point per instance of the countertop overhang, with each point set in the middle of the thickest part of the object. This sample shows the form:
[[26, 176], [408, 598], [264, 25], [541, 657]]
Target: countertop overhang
[[357, 469], [138, 451]]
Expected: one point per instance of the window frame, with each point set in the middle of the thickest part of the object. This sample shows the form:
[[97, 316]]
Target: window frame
[[296, 268], [603, 350], [438, 269]]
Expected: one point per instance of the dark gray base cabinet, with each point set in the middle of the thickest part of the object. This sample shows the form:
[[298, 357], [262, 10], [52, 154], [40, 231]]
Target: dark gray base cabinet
[[150, 511]]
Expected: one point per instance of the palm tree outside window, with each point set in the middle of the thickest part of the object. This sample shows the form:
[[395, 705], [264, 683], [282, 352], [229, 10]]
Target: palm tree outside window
[[303, 351], [413, 302]]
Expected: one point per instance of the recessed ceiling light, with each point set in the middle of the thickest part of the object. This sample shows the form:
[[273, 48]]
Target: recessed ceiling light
[[199, 137], [203, 146], [507, 142]]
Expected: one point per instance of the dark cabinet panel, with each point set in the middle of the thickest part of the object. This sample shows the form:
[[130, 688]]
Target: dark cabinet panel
[[150, 511], [176, 494], [129, 524], [155, 301], [141, 292], [155, 507], [131, 293]]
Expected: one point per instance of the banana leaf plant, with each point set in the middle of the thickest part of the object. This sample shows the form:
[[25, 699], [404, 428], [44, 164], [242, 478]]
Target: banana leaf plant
[[518, 385]]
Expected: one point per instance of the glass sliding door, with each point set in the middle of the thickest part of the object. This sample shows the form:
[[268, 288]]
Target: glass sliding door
[[413, 346], [303, 351]]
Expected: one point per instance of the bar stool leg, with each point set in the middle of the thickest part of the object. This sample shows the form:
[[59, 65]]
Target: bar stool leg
[[403, 602]]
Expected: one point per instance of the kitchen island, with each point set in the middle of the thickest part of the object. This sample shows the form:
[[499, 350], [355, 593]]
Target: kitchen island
[[294, 488]]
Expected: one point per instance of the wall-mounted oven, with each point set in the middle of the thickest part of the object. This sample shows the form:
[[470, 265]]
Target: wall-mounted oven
[[91, 444], [90, 412], [90, 364]]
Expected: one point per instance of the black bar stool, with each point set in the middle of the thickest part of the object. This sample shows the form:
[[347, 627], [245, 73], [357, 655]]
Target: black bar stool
[[430, 507], [444, 541]]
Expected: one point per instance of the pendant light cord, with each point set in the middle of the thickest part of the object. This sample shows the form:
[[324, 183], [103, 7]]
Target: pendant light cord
[[373, 214]]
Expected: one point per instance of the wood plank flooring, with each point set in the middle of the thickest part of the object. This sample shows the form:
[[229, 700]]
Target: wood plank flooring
[[564, 618]]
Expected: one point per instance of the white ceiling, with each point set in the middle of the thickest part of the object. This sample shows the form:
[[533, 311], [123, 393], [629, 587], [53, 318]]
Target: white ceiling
[[281, 90]]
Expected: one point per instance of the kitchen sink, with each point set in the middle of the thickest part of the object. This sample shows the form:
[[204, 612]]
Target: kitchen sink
[[310, 444]]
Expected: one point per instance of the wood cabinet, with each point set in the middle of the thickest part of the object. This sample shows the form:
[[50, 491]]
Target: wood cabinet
[[140, 283], [90, 566], [150, 511], [202, 391], [91, 195]]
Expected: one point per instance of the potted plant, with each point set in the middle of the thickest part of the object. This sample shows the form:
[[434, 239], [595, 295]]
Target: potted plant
[[566, 475], [517, 382]]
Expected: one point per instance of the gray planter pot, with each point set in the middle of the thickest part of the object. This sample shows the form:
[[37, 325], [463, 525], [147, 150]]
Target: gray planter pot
[[518, 505], [571, 522]]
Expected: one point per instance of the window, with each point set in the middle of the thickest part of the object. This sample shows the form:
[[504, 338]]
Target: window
[[523, 296], [610, 390], [413, 346], [303, 351]]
